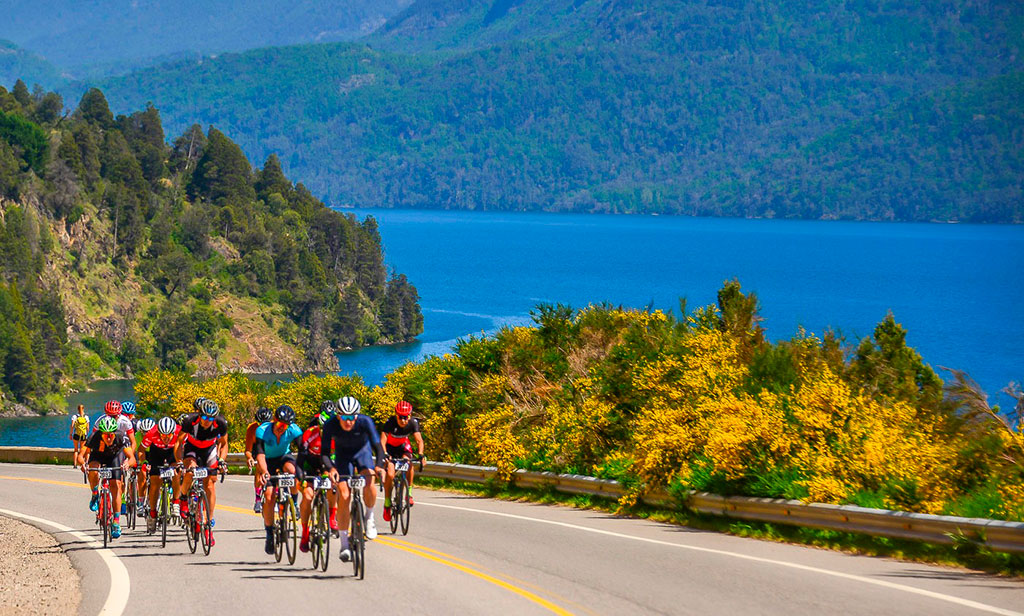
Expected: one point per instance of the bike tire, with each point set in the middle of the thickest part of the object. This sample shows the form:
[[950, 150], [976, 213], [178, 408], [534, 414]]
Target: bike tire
[[395, 510], [105, 516], [190, 523], [203, 523], [131, 501], [315, 541], [357, 539], [280, 532], [403, 508], [324, 533], [292, 544], [165, 515]]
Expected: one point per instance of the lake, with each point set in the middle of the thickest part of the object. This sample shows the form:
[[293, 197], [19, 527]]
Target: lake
[[955, 288]]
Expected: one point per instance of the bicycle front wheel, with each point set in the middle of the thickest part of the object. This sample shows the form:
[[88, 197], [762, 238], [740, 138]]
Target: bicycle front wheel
[[291, 542], [203, 527], [280, 534], [357, 540], [131, 500], [105, 516], [324, 531], [315, 541], [403, 507], [164, 515], [190, 523]]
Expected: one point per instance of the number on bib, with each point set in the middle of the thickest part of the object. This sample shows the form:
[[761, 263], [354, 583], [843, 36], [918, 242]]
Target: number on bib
[[199, 473]]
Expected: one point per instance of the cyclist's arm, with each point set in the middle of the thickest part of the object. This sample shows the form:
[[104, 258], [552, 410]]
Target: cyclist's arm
[[222, 447], [326, 445], [179, 447], [375, 443], [250, 440], [260, 454], [129, 455], [83, 454], [419, 441]]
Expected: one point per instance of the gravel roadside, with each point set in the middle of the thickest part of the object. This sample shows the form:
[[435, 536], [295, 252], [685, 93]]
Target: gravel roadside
[[36, 576]]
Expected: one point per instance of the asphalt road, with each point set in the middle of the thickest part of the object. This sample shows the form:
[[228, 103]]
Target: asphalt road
[[469, 555]]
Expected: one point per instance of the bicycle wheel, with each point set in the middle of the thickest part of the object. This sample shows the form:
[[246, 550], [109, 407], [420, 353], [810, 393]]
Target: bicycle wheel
[[357, 539], [324, 531], [203, 522], [280, 532], [131, 500], [395, 509], [190, 523], [105, 516], [315, 541], [164, 515], [403, 507], [291, 544]]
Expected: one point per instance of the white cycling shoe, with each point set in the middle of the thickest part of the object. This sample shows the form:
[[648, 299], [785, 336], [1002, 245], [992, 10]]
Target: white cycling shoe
[[371, 527], [345, 554]]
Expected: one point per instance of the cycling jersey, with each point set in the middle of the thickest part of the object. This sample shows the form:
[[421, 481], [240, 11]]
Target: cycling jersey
[[99, 451], [272, 446], [398, 435], [124, 425], [310, 442], [153, 439], [203, 437], [340, 447]]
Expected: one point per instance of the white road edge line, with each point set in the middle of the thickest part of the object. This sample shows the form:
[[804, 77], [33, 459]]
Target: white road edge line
[[849, 576], [120, 584]]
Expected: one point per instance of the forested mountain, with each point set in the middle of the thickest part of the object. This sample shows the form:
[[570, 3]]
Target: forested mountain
[[111, 36], [17, 63], [120, 253], [862, 110]]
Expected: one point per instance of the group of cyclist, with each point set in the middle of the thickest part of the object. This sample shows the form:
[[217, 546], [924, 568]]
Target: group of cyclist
[[339, 442]]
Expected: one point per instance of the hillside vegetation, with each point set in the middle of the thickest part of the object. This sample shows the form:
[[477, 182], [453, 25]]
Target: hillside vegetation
[[702, 402], [120, 253], [856, 110]]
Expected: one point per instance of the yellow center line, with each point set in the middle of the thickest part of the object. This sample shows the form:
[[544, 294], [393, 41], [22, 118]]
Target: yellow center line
[[483, 568], [444, 559], [53, 481]]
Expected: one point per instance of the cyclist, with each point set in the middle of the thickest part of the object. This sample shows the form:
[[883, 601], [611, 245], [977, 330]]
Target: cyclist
[[106, 448], [124, 425], [128, 410], [158, 450], [203, 440], [348, 446], [395, 441], [142, 427], [327, 410], [79, 429], [261, 417], [271, 450], [311, 465]]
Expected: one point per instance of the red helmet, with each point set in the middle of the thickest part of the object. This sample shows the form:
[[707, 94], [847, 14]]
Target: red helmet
[[112, 408], [403, 409]]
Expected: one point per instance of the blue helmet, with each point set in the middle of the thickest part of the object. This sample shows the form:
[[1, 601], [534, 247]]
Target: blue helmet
[[128, 408]]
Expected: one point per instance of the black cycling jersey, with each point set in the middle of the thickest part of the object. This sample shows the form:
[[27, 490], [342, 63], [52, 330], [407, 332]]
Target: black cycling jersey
[[397, 434], [198, 436]]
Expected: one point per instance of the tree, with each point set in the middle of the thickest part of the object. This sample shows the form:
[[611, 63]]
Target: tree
[[27, 139], [271, 179], [21, 94], [223, 174], [93, 108]]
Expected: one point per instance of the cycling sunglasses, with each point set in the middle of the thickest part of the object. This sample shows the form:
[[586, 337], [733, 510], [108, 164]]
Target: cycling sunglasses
[[347, 417], [208, 417]]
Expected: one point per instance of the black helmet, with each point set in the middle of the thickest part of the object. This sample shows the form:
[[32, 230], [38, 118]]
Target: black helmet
[[198, 403], [284, 414], [263, 414], [327, 407]]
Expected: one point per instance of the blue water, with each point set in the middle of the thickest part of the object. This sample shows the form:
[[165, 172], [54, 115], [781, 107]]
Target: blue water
[[956, 288]]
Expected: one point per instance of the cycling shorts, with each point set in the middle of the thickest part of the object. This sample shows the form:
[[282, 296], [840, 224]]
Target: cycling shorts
[[398, 451], [311, 465], [157, 457], [351, 464], [275, 466], [204, 456], [108, 461]]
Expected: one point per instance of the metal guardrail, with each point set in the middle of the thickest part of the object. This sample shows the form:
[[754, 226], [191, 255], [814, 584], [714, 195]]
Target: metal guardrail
[[996, 534]]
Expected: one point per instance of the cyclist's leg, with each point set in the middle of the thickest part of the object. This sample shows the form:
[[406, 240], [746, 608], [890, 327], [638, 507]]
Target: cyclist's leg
[[389, 482], [211, 480], [93, 477]]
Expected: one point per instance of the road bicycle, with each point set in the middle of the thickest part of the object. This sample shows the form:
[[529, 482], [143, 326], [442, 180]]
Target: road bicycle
[[286, 523], [198, 529], [357, 523], [105, 512], [400, 508], [163, 503], [320, 522]]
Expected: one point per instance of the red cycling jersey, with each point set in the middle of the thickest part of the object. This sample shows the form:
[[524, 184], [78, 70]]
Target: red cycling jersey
[[311, 441], [153, 439]]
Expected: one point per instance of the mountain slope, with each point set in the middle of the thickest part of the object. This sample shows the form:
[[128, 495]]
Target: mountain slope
[[609, 106], [108, 35], [121, 253]]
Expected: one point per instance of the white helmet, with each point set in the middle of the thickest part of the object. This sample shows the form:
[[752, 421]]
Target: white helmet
[[166, 425], [348, 406]]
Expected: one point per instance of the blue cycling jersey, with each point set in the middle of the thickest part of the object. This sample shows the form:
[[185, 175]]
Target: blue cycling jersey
[[274, 447]]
